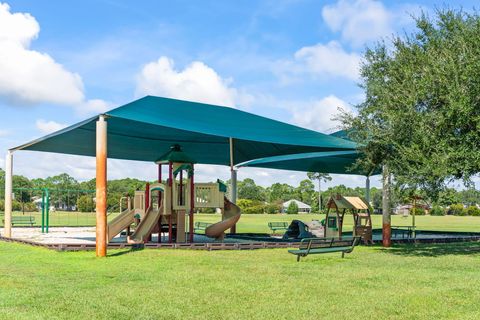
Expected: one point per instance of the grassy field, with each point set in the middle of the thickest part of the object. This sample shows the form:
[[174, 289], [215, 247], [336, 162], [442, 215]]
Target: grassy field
[[405, 282], [257, 223]]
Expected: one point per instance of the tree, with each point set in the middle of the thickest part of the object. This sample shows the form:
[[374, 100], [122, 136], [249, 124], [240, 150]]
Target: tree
[[319, 176], [85, 203], [305, 191], [20, 186], [280, 192], [421, 109], [247, 189], [292, 208]]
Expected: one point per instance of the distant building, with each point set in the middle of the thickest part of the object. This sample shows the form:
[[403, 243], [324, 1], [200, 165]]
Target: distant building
[[302, 207]]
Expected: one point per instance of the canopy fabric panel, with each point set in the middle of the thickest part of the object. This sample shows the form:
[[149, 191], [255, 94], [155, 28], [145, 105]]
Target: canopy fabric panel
[[340, 162], [146, 128]]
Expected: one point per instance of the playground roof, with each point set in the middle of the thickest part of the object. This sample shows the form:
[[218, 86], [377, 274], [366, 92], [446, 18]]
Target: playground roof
[[146, 128], [327, 162]]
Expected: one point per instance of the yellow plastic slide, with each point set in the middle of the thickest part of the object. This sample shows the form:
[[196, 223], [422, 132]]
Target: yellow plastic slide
[[146, 226], [231, 216], [119, 223]]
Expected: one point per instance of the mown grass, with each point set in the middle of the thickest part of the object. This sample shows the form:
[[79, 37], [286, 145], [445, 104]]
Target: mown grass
[[405, 282], [258, 223]]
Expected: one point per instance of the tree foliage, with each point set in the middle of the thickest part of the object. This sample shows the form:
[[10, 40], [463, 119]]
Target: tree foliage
[[421, 114]]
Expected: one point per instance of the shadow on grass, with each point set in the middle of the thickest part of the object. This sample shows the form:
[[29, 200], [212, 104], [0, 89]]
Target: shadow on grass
[[435, 250], [132, 249]]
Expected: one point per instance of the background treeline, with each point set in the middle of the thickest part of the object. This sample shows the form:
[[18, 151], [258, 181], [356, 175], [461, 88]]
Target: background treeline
[[66, 192]]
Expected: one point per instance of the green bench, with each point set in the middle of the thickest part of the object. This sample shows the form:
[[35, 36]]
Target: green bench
[[325, 245], [22, 221], [201, 226], [274, 226]]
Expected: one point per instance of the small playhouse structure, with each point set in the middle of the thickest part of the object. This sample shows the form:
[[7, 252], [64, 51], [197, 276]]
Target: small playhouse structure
[[337, 206]]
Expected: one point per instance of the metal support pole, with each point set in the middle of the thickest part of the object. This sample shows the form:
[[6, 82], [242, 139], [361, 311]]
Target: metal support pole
[[101, 187], [192, 209], [8, 194], [233, 181], [367, 190], [386, 219], [170, 183], [319, 195]]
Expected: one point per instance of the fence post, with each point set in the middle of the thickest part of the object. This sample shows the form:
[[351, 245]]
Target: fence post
[[43, 211], [47, 210]]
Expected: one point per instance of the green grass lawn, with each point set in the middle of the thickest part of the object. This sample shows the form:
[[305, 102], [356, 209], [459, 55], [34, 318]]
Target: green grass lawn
[[405, 282], [257, 223]]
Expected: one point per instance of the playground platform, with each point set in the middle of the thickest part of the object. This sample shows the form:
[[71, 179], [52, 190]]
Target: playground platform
[[83, 238]]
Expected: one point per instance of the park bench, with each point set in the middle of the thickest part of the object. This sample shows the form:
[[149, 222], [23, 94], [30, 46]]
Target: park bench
[[24, 221], [274, 226], [404, 231], [201, 226], [325, 245]]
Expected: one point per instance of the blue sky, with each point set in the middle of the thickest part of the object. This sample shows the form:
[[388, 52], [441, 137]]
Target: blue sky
[[293, 60]]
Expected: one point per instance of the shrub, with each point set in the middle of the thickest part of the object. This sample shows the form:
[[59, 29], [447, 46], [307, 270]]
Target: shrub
[[292, 208], [458, 210], [30, 206], [85, 203], [16, 205], [418, 211], [206, 210], [2, 205], [473, 211], [272, 208], [437, 211], [258, 209]]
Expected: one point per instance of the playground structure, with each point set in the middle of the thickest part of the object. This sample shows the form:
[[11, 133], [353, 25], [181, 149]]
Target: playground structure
[[210, 134], [169, 207], [362, 221]]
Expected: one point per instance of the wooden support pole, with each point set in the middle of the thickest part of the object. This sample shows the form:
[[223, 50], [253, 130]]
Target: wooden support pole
[[386, 219], [159, 240], [8, 194], [101, 187]]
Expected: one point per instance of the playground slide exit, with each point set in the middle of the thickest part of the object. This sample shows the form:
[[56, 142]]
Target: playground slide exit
[[231, 216], [120, 222], [146, 226]]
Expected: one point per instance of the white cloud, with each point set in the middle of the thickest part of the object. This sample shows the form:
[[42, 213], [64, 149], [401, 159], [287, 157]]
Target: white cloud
[[4, 133], [329, 60], [361, 22], [319, 115], [28, 76], [321, 61], [196, 82], [48, 126]]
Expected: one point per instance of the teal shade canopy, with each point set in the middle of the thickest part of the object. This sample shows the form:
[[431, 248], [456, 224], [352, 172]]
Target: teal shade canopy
[[148, 127], [341, 162]]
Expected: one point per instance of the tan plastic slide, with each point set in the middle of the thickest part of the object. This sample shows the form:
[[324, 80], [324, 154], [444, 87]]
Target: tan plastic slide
[[119, 223], [231, 216], [146, 226]]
